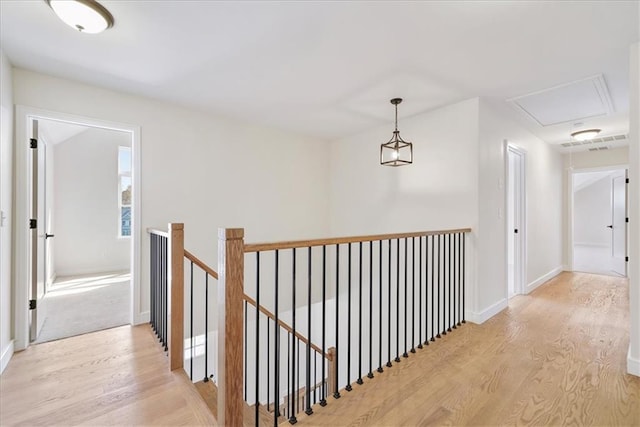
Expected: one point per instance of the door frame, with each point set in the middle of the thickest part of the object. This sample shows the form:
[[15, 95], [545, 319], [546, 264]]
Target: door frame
[[570, 171], [520, 287], [23, 118]]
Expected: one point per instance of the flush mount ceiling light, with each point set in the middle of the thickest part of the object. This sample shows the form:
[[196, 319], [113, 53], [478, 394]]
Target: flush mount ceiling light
[[86, 16], [583, 135], [396, 152]]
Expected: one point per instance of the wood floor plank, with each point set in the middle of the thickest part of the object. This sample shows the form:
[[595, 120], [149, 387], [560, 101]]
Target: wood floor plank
[[554, 357], [114, 377]]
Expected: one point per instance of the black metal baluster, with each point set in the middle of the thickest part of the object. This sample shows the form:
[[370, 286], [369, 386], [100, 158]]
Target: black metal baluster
[[359, 381], [426, 290], [298, 378], [464, 274], [191, 326], [323, 392], [294, 392], [276, 352], [348, 387], [439, 292], [308, 409], [257, 390], [454, 238], [389, 309], [413, 295], [152, 281], [444, 284], [448, 246], [336, 394], [380, 306], [288, 408], [460, 237], [420, 292], [406, 256], [433, 269], [268, 363], [397, 359], [370, 374], [246, 360], [206, 329]]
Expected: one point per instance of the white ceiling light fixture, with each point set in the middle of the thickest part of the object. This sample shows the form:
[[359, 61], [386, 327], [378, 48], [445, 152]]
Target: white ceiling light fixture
[[583, 135], [86, 16]]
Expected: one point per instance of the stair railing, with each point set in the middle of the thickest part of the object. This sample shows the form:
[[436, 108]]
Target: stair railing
[[375, 299]]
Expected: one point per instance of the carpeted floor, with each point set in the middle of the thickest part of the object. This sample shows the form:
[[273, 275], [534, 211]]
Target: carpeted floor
[[78, 305]]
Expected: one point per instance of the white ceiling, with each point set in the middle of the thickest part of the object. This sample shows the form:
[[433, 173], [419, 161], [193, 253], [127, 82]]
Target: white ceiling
[[328, 69]]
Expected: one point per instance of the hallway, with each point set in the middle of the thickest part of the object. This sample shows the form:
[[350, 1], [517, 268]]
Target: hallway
[[555, 357]]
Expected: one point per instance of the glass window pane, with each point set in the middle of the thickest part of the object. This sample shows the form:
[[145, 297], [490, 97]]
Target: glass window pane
[[124, 160], [125, 190], [125, 221]]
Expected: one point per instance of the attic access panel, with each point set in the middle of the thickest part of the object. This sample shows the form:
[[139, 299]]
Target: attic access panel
[[569, 102]]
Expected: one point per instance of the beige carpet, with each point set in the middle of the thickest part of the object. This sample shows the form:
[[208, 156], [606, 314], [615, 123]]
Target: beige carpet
[[79, 305]]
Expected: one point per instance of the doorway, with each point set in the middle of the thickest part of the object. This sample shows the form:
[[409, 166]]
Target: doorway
[[83, 229], [76, 267], [516, 220], [599, 229]]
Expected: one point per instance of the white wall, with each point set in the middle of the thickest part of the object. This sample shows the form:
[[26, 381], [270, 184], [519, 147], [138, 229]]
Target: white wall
[[438, 191], [596, 159], [6, 206], [543, 210], [592, 213], [203, 170], [633, 360], [86, 211]]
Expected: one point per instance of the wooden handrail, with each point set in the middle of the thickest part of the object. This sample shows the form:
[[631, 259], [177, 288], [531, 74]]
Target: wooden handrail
[[257, 247], [288, 328], [191, 257], [158, 232]]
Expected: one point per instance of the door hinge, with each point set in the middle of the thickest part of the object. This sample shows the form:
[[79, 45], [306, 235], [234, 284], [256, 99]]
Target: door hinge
[[33, 143], [626, 181], [626, 259], [33, 223], [32, 304]]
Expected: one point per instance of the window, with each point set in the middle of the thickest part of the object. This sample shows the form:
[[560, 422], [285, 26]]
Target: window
[[124, 191]]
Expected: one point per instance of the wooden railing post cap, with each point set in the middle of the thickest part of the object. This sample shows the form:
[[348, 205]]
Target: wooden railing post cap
[[176, 226], [230, 233]]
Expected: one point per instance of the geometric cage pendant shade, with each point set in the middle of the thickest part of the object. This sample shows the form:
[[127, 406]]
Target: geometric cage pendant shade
[[396, 152]]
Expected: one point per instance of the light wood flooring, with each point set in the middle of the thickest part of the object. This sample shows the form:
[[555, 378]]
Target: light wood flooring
[[554, 357], [118, 376]]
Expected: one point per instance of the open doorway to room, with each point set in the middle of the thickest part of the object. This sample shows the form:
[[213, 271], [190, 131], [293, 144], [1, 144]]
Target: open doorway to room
[[83, 229], [79, 256], [599, 221]]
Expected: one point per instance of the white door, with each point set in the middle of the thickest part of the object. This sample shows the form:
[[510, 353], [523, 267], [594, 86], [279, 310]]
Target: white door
[[619, 225], [36, 269], [515, 220]]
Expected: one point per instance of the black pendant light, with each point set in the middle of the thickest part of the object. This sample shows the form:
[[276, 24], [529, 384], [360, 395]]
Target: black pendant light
[[396, 152]]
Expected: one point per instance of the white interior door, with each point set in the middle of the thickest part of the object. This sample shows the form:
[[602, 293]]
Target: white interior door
[[619, 224], [515, 221], [35, 268]]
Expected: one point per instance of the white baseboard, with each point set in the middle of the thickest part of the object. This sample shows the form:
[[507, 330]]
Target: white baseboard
[[141, 318], [487, 313], [6, 356], [633, 364], [542, 279]]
